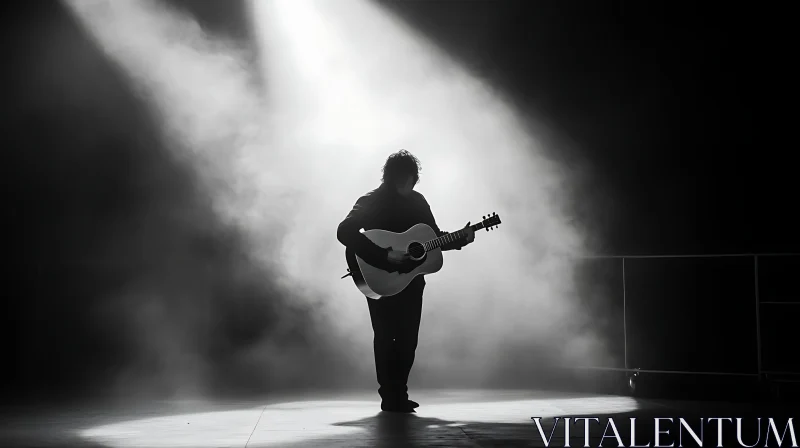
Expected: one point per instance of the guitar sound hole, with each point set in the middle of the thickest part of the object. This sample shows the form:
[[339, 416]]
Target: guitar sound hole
[[416, 251]]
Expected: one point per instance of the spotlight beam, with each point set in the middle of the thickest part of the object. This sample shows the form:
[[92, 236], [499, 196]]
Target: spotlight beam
[[353, 83], [347, 84]]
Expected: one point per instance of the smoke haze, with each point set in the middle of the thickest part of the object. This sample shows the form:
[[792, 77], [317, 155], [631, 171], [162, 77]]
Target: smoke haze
[[221, 272]]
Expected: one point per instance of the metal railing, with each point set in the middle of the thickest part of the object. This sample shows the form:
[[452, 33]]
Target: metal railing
[[758, 303]]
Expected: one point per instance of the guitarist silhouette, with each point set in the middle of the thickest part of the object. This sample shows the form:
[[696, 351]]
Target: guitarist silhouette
[[396, 207]]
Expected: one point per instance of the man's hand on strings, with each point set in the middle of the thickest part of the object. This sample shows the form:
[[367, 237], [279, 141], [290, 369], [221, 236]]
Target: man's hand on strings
[[398, 257], [470, 233]]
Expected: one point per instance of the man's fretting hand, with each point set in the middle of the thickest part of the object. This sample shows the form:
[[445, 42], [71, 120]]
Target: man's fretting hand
[[470, 233]]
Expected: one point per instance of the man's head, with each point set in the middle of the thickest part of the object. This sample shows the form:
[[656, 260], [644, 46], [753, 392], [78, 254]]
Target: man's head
[[401, 171]]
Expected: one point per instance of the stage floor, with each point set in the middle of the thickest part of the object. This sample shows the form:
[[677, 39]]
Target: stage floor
[[447, 418]]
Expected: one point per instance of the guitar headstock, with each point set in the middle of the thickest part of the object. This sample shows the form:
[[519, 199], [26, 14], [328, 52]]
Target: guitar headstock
[[492, 221]]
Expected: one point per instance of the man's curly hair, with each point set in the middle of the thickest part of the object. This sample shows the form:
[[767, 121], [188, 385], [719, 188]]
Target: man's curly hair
[[399, 165]]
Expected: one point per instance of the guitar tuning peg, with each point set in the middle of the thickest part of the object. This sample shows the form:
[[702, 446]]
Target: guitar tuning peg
[[484, 216]]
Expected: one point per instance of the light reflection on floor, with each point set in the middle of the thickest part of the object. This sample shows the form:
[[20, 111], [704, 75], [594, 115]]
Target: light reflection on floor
[[304, 422]]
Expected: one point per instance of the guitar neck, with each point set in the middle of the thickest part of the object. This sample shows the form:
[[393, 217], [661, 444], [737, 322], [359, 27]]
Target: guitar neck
[[451, 237]]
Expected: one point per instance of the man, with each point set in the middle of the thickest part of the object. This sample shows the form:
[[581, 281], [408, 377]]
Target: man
[[396, 207]]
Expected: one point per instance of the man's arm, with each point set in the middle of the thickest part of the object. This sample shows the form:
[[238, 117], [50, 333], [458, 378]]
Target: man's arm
[[349, 233]]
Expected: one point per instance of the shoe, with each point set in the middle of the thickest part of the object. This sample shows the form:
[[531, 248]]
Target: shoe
[[413, 404], [406, 408]]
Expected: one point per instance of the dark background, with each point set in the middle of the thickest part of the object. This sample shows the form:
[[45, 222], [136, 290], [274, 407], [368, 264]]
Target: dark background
[[680, 109]]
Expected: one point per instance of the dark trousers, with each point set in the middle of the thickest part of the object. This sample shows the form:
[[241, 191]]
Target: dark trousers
[[395, 323]]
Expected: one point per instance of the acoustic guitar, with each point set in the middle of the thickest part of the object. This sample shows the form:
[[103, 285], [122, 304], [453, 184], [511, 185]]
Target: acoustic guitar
[[423, 247]]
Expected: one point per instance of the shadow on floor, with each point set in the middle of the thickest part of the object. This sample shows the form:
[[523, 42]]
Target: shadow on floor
[[388, 430]]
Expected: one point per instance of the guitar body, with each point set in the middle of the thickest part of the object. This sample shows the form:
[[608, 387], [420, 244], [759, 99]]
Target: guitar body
[[376, 283]]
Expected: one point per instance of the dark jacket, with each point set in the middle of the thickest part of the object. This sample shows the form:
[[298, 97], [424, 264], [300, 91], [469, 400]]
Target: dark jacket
[[383, 208]]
